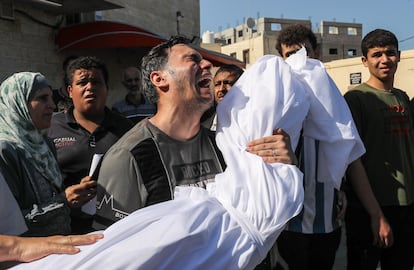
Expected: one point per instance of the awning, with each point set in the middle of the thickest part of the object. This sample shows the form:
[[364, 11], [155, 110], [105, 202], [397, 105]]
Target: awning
[[70, 6], [219, 59], [110, 35], [105, 35]]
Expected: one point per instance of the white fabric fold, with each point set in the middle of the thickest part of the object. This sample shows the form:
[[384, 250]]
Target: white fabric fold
[[329, 120]]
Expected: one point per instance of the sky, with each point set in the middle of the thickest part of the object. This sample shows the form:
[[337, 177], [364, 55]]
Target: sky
[[396, 15]]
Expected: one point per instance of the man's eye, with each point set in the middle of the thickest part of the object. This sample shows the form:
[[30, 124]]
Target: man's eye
[[82, 83]]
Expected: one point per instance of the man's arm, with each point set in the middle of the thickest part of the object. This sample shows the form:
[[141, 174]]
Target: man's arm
[[381, 230], [27, 249], [120, 188]]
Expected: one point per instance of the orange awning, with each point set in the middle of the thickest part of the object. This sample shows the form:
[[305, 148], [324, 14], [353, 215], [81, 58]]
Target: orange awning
[[109, 35]]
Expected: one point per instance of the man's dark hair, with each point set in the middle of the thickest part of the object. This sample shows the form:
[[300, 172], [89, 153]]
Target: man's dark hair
[[232, 69], [88, 63], [156, 59], [378, 38], [295, 34], [65, 65]]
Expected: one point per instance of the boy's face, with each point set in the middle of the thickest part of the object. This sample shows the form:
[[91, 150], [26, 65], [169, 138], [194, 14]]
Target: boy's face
[[382, 62]]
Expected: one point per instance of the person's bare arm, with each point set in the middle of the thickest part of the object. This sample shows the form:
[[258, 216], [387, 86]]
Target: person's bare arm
[[27, 249], [381, 230], [275, 148]]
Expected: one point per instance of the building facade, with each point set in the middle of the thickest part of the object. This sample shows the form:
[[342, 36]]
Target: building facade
[[257, 37], [29, 28]]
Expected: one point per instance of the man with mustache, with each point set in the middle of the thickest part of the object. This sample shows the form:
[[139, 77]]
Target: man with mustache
[[171, 148]]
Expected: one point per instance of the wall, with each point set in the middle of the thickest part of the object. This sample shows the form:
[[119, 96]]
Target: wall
[[159, 16], [28, 45], [27, 42]]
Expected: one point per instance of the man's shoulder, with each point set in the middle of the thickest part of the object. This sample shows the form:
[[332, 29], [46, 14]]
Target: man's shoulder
[[360, 87], [134, 136], [59, 118], [119, 105], [118, 120]]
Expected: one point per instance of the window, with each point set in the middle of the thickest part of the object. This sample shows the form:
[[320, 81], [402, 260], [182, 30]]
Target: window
[[333, 30], [98, 16], [275, 27], [233, 55], [352, 31], [229, 41], [73, 19], [246, 56], [240, 33], [352, 52], [333, 51]]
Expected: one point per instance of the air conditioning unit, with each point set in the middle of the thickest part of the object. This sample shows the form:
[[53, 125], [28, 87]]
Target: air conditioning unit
[[6, 9]]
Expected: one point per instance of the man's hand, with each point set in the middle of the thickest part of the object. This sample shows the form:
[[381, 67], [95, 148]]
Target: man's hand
[[382, 232], [78, 195], [341, 206], [275, 148], [27, 249]]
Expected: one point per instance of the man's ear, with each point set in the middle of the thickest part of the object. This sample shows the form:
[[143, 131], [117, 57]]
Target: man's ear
[[69, 90], [158, 79], [364, 60]]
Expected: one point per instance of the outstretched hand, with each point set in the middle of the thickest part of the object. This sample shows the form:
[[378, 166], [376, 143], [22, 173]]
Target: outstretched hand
[[27, 249]]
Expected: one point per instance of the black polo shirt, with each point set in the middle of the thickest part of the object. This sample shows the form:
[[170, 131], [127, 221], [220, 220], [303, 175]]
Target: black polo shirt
[[75, 146]]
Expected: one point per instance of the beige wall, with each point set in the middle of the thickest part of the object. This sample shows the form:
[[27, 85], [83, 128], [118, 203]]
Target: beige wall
[[340, 71], [255, 45], [158, 16]]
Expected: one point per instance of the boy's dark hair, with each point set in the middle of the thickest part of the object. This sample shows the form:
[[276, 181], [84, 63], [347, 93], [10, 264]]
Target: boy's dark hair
[[232, 69], [86, 62], [156, 59], [378, 38], [295, 34]]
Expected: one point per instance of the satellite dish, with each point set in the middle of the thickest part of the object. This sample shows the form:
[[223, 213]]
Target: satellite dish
[[250, 22]]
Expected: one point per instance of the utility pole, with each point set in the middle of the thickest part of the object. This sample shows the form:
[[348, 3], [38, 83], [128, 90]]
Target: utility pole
[[178, 16]]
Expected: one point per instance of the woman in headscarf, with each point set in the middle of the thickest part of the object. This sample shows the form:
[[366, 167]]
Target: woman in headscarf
[[27, 162]]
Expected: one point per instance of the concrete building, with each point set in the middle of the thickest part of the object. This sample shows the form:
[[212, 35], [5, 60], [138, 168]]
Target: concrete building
[[37, 35], [257, 37], [339, 40], [339, 45]]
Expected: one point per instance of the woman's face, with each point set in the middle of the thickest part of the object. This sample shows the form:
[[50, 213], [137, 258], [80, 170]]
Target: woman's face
[[41, 108]]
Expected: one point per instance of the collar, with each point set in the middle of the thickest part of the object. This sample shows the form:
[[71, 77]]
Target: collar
[[108, 121]]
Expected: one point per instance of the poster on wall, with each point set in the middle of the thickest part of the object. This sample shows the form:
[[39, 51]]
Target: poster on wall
[[355, 78]]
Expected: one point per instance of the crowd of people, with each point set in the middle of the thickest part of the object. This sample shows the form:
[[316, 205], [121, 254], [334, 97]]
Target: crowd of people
[[254, 169]]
